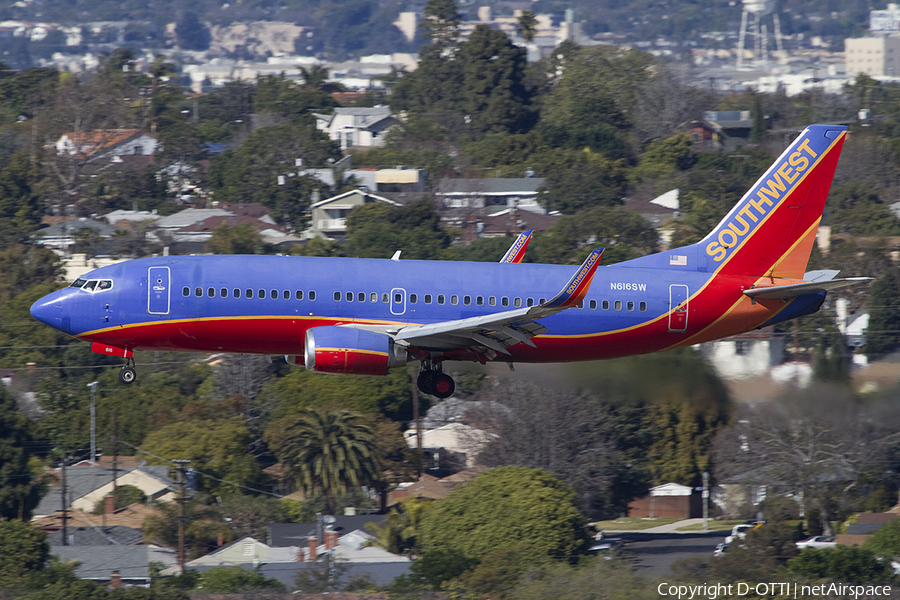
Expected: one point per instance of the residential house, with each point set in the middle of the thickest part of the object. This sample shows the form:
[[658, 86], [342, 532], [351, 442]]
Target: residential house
[[283, 562], [92, 535], [706, 136], [117, 565], [99, 143], [66, 234], [668, 500], [85, 486], [735, 124], [455, 442], [473, 195], [329, 216], [356, 126], [503, 223]]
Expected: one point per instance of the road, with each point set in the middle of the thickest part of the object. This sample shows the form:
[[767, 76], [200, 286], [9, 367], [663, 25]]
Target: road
[[653, 554]]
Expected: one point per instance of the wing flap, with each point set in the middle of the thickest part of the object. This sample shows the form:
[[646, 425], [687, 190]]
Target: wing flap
[[802, 289]]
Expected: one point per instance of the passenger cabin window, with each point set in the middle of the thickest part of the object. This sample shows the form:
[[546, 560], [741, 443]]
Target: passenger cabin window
[[385, 298], [274, 295], [618, 305], [440, 298], [398, 298], [373, 297], [581, 304], [642, 306], [211, 292], [427, 298], [504, 301], [492, 300], [312, 295], [529, 301], [361, 297], [479, 300], [517, 302], [236, 293], [542, 300], [467, 300], [349, 296], [286, 295], [413, 298], [629, 305], [198, 292], [185, 291], [261, 294], [337, 296], [223, 293], [298, 295], [454, 299], [248, 293], [593, 304], [605, 305]]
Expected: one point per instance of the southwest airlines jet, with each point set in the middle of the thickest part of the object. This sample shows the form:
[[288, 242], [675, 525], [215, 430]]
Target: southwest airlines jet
[[366, 316]]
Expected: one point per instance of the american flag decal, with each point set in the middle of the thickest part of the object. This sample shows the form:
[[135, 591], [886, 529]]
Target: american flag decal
[[678, 260]]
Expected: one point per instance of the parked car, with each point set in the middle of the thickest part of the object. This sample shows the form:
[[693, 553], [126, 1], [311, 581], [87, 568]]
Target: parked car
[[720, 550], [817, 541], [739, 532]]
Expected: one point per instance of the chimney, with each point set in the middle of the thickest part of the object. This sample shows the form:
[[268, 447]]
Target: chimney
[[110, 505], [115, 580], [331, 538], [313, 546], [299, 554], [220, 539]]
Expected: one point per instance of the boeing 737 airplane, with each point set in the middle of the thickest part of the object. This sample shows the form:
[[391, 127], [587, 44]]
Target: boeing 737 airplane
[[367, 316]]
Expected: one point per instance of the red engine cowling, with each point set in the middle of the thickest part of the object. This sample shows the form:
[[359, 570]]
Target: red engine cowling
[[350, 350]]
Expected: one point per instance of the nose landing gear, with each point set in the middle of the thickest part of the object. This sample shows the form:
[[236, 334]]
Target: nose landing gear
[[128, 374], [434, 382]]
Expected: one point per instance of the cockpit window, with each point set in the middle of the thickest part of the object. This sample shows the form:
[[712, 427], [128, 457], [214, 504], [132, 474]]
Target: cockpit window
[[93, 285]]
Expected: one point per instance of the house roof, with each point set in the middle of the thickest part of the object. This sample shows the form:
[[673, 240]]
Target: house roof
[[99, 562], [81, 481], [489, 187], [189, 216], [367, 195], [131, 516], [100, 140], [504, 221], [671, 489], [115, 535], [70, 227], [363, 117], [296, 534]]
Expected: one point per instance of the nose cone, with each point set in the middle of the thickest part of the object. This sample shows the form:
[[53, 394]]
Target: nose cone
[[49, 310]]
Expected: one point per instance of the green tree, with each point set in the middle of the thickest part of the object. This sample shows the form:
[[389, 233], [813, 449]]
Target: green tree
[[236, 580], [23, 550], [494, 94], [400, 532], [664, 156], [328, 453], [218, 448], [526, 25], [20, 206], [883, 332], [842, 563], [527, 506], [589, 180], [264, 170], [19, 493], [376, 230], [440, 23], [252, 515], [191, 33], [885, 541], [242, 238], [202, 531]]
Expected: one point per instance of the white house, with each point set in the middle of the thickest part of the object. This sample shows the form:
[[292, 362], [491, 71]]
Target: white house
[[98, 143], [356, 126]]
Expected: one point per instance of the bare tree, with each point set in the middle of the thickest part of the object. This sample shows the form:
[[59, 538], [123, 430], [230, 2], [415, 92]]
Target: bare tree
[[819, 442], [565, 433], [667, 100]]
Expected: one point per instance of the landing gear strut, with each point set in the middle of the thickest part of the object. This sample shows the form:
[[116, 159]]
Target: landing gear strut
[[434, 382], [128, 374]]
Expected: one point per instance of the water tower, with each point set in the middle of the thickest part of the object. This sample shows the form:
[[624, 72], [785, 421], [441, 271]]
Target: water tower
[[752, 23]]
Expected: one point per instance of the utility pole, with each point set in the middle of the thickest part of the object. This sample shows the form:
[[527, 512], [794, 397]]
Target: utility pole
[[65, 533], [418, 421], [93, 385], [705, 500], [180, 465]]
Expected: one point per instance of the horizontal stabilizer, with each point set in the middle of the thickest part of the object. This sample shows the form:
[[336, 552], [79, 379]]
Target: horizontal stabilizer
[[802, 289]]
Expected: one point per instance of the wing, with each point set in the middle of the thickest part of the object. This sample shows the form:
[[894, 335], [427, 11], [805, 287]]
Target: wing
[[516, 252], [491, 334]]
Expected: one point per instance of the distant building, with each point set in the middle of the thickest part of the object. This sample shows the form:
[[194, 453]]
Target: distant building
[[885, 21], [873, 56], [97, 143], [468, 194], [356, 126], [329, 216], [668, 500]]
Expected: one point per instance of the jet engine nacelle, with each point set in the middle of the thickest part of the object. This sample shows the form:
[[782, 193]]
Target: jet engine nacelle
[[351, 350]]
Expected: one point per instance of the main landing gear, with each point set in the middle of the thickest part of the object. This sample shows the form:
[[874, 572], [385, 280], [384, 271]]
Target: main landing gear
[[128, 375], [434, 382]]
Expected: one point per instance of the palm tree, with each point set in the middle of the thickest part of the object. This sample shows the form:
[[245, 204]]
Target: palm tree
[[316, 78], [527, 26], [328, 453], [399, 534]]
